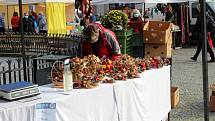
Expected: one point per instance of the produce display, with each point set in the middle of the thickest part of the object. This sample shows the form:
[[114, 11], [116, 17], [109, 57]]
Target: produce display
[[85, 71], [89, 71], [125, 67]]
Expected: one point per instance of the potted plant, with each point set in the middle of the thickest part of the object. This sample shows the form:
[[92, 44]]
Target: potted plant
[[115, 20]]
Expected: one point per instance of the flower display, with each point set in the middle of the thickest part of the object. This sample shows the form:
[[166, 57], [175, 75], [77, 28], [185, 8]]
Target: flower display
[[89, 71], [115, 18]]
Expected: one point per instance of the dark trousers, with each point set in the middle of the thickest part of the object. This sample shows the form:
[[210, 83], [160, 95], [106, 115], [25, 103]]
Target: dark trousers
[[2, 30], [210, 51], [43, 31], [16, 29]]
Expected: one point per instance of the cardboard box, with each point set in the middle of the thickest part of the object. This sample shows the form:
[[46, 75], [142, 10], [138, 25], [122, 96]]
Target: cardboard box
[[158, 32], [174, 97], [212, 102], [152, 50]]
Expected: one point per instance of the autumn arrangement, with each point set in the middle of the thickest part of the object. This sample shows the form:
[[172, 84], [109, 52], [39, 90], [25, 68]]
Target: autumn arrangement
[[89, 71]]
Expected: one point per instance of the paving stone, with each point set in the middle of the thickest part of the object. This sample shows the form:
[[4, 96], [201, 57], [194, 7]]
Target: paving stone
[[187, 75]]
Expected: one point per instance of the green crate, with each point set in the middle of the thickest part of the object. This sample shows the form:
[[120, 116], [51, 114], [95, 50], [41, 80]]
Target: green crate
[[125, 40], [137, 39], [138, 51], [123, 33], [129, 50], [130, 53], [126, 50], [129, 43]]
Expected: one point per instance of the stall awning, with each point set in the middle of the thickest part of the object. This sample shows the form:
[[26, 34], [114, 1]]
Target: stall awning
[[15, 2], [97, 2]]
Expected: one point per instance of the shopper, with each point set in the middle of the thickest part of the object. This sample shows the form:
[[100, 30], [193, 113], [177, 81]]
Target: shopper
[[15, 22], [31, 23], [198, 29], [25, 22], [2, 24], [100, 42], [42, 26], [34, 14], [136, 21]]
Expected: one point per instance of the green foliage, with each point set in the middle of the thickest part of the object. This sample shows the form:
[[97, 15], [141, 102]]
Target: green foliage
[[115, 18]]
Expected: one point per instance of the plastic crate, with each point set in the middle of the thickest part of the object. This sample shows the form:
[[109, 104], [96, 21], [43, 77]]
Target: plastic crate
[[138, 51], [125, 40], [123, 33], [137, 39]]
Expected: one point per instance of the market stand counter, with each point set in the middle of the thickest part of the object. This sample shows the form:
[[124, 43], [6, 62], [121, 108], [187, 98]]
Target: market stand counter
[[141, 99]]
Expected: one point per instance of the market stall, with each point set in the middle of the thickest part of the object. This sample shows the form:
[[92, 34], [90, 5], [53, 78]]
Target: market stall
[[141, 99], [58, 12], [97, 2]]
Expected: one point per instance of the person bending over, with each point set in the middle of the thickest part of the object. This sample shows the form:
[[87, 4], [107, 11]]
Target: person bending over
[[100, 42]]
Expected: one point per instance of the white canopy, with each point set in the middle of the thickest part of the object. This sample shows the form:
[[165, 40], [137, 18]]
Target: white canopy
[[198, 0], [165, 1], [97, 2], [14, 2]]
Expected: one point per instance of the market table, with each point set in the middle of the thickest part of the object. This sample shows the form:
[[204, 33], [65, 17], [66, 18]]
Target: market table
[[141, 99]]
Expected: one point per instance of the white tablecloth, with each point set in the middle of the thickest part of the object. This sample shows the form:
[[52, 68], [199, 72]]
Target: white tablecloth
[[146, 98], [141, 99]]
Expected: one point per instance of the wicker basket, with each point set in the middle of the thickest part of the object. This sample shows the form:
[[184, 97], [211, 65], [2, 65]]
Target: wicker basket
[[56, 82]]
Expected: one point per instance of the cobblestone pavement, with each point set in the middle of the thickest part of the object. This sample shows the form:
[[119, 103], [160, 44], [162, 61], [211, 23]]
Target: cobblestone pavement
[[187, 75]]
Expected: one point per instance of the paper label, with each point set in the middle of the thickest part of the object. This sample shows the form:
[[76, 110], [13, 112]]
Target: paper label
[[46, 112]]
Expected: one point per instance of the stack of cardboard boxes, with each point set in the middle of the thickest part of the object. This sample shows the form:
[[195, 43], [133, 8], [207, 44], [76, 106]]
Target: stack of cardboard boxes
[[158, 39]]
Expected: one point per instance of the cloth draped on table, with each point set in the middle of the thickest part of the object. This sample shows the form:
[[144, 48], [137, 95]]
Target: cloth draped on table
[[138, 102], [141, 99]]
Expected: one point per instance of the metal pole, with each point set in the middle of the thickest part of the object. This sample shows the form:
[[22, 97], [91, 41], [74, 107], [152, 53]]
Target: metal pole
[[204, 58], [22, 40], [144, 13], [8, 23]]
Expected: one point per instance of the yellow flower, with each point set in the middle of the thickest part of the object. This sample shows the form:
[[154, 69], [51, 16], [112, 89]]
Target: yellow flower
[[115, 17]]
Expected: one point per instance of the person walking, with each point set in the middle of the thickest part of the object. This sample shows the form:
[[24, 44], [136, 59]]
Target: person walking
[[210, 28]]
